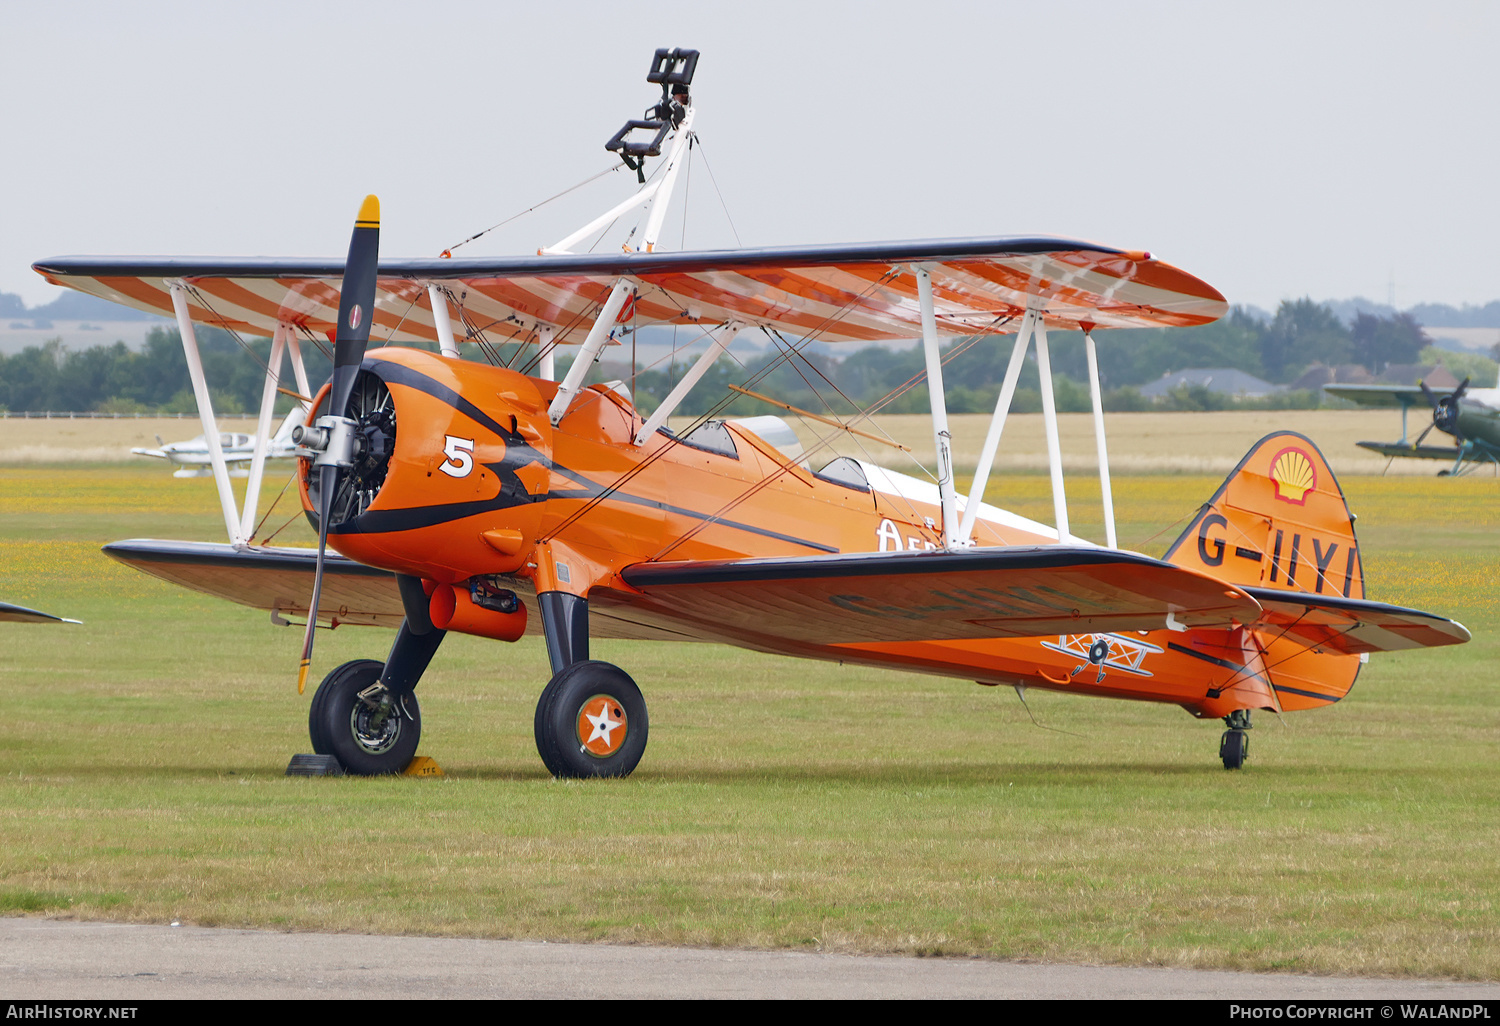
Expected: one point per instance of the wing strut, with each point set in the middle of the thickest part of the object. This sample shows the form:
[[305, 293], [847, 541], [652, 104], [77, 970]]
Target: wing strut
[[1049, 420], [442, 320], [997, 425], [178, 289], [719, 340], [1097, 399], [263, 431], [589, 351], [942, 438]]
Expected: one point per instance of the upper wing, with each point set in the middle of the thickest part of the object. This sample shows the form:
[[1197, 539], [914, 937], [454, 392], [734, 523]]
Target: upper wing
[[1355, 625], [1392, 396], [837, 293], [20, 614], [932, 596]]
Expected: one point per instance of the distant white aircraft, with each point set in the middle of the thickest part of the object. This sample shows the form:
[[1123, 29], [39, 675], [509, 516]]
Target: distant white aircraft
[[192, 460]]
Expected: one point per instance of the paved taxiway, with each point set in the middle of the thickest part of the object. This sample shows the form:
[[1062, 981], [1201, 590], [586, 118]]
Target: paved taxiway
[[42, 959]]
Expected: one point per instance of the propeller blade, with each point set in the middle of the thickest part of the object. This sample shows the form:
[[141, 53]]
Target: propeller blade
[[356, 313], [1418, 443], [1458, 392], [327, 482], [1432, 400], [356, 304]]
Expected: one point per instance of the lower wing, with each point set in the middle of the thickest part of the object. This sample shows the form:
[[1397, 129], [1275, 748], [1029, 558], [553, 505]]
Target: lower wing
[[1018, 591], [1421, 452], [20, 614]]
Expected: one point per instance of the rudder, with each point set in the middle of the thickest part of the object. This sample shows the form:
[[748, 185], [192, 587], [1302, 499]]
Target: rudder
[[1278, 521]]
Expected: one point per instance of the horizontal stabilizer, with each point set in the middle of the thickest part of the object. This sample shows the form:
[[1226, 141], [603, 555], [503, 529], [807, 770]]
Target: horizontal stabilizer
[[1354, 625], [1016, 591]]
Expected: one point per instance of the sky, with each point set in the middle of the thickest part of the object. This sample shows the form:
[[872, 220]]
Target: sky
[[1274, 149]]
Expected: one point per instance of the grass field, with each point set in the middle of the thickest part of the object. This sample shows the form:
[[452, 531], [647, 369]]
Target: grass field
[[781, 803]]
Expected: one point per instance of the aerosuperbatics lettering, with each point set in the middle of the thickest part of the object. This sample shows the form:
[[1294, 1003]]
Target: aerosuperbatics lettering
[[888, 536]]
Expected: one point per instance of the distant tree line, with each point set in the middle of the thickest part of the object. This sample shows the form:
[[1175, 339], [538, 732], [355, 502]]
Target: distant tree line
[[1301, 333], [116, 379]]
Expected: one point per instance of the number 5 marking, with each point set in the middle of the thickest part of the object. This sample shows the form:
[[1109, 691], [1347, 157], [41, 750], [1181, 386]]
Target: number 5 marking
[[460, 453]]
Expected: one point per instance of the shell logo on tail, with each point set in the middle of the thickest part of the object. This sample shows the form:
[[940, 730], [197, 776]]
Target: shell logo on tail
[[1293, 472]]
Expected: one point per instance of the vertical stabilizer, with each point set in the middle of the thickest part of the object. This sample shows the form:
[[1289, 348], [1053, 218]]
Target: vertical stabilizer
[[1278, 521]]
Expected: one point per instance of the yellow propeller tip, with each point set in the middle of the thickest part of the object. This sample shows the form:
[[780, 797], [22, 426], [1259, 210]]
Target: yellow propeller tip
[[302, 677], [369, 213]]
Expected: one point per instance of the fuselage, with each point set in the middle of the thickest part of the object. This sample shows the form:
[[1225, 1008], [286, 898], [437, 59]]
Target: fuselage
[[480, 482]]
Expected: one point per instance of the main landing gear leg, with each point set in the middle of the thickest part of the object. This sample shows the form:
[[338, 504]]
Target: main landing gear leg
[[591, 718], [1234, 746], [365, 713]]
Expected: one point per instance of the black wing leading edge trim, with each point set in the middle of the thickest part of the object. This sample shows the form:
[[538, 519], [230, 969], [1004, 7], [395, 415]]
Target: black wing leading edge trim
[[613, 264], [878, 564]]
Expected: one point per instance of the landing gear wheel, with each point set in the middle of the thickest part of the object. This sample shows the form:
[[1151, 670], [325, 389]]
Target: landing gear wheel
[[354, 720], [1234, 748], [591, 722]]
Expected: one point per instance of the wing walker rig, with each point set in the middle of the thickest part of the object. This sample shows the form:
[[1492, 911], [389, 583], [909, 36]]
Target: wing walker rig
[[498, 501]]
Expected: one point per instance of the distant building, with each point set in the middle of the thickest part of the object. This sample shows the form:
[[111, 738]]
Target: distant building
[[1318, 375], [1223, 380]]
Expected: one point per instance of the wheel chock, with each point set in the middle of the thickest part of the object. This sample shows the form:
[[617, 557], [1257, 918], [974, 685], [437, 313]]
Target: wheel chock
[[314, 766], [422, 766]]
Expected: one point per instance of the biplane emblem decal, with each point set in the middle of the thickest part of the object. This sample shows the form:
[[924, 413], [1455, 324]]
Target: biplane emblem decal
[[1293, 473], [1105, 651]]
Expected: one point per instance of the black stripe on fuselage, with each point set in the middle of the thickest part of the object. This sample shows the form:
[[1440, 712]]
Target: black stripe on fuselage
[[1238, 668], [389, 520]]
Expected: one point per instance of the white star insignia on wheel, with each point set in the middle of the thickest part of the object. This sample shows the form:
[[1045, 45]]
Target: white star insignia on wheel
[[603, 726]]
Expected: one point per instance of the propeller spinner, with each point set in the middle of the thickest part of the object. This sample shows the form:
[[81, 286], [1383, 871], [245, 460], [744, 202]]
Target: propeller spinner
[[332, 438]]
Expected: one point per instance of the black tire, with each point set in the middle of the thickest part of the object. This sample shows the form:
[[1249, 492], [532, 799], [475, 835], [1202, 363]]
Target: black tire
[[367, 742], [568, 699], [315, 731], [1234, 748]]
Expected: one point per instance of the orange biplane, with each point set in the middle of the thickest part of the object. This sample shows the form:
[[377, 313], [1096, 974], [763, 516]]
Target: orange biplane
[[463, 496]]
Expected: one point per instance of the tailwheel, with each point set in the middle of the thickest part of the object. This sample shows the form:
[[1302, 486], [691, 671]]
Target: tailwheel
[[591, 722], [357, 721], [1234, 748]]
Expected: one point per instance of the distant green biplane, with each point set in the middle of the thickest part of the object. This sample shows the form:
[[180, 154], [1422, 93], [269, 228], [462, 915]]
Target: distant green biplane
[[1470, 416]]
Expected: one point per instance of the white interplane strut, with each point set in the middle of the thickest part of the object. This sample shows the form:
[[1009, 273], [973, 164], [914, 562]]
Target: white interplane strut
[[546, 361], [997, 425], [942, 438], [178, 289], [263, 430], [442, 321], [589, 351], [719, 339], [1096, 397], [1049, 420]]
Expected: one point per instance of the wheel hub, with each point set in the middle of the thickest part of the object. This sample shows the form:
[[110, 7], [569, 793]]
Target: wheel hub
[[601, 726], [373, 724]]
